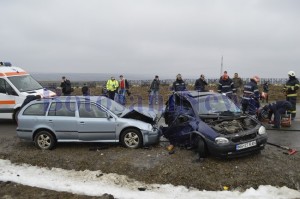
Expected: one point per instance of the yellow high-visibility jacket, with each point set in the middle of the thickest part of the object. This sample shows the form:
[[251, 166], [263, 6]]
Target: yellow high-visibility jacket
[[112, 85]]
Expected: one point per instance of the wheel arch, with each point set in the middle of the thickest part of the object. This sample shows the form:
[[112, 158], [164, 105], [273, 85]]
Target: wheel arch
[[41, 129]]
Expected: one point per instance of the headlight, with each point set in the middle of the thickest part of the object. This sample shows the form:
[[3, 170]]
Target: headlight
[[261, 130], [221, 140]]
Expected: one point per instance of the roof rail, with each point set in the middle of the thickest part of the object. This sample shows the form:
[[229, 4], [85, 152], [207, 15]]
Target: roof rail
[[5, 64]]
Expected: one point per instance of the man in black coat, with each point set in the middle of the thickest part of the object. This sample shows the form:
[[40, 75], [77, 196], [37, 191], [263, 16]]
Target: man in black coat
[[66, 86], [200, 84]]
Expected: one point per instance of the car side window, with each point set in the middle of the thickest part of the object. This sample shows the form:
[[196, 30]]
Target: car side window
[[87, 110], [66, 109], [38, 109]]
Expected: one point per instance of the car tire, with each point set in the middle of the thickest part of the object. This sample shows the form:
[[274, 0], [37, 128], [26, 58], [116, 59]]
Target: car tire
[[132, 138], [44, 140], [201, 148]]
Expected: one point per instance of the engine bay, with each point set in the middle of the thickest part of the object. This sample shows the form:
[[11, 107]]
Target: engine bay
[[231, 126]]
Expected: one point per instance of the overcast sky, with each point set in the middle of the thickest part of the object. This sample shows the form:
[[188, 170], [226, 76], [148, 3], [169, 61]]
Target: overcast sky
[[163, 37]]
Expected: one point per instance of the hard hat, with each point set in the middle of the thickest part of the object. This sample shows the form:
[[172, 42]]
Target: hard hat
[[291, 73], [256, 78]]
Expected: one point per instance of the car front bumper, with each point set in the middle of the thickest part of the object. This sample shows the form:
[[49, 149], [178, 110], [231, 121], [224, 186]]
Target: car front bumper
[[151, 137], [230, 151]]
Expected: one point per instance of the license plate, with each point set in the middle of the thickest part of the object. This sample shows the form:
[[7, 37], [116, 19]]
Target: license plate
[[245, 145]]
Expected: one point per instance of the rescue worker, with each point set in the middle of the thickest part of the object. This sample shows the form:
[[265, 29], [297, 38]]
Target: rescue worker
[[238, 83], [278, 108], [290, 88], [200, 84], [179, 84], [112, 86], [250, 99], [226, 85]]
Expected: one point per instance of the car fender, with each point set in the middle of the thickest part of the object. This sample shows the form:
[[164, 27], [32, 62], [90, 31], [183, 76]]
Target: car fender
[[39, 127]]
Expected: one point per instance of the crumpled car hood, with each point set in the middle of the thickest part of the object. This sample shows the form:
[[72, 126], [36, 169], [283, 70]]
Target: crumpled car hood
[[142, 113]]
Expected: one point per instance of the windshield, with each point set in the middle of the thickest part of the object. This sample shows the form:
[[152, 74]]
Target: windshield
[[213, 104], [25, 83], [111, 105]]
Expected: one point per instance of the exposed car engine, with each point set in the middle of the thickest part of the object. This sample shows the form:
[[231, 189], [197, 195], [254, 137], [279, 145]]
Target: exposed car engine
[[232, 126]]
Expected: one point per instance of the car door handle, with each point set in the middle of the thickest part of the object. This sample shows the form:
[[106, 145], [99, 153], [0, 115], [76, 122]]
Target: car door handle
[[50, 121], [82, 122]]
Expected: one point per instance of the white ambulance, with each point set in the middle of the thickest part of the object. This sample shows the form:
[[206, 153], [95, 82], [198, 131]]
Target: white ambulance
[[15, 85]]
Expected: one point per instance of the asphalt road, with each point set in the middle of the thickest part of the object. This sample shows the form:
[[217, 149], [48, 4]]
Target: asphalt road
[[286, 136]]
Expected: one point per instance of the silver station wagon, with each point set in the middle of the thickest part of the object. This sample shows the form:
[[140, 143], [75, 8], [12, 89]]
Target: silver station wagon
[[86, 119]]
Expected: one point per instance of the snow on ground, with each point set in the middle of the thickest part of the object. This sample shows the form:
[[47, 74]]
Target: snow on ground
[[95, 183]]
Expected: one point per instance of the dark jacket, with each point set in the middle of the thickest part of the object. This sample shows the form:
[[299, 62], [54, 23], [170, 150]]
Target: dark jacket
[[179, 85], [266, 87], [200, 85], [85, 90], [251, 90], [286, 105], [155, 85], [226, 86], [291, 87], [66, 87]]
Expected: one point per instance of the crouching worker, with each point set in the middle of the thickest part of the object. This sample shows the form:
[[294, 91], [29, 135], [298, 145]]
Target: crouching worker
[[277, 108]]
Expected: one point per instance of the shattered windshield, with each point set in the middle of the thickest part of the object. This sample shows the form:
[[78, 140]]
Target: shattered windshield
[[215, 104], [25, 83]]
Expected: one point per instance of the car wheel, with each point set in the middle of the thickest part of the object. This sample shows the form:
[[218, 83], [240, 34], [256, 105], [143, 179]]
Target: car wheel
[[201, 148], [131, 138], [44, 140]]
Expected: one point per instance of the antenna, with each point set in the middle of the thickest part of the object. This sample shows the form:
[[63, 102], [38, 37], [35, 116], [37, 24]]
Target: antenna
[[221, 72]]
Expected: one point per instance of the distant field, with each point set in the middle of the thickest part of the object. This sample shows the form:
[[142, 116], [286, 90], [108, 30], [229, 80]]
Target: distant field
[[140, 92]]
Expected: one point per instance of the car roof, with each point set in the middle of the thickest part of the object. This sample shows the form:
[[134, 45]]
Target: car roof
[[74, 98], [195, 94]]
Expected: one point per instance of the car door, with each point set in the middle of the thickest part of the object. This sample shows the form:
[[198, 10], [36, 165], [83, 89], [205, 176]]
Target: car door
[[61, 117], [8, 99], [94, 123]]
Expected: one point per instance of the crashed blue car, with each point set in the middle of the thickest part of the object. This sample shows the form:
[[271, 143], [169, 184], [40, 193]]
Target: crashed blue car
[[212, 124]]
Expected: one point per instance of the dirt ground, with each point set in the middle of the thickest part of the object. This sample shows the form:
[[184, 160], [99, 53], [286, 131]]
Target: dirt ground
[[152, 165]]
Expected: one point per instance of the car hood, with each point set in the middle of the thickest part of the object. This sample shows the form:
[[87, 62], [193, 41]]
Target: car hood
[[142, 113]]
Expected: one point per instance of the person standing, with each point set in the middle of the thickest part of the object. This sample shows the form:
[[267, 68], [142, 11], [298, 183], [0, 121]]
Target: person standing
[[265, 93], [85, 90], [226, 85], [291, 87], [112, 86], [200, 84], [154, 90], [237, 83], [66, 86], [250, 99], [179, 84], [123, 86]]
